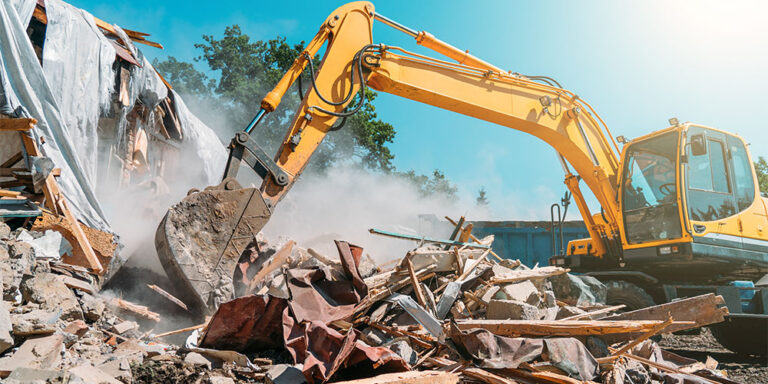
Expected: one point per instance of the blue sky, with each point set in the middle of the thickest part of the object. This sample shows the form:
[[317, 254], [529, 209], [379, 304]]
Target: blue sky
[[638, 64]]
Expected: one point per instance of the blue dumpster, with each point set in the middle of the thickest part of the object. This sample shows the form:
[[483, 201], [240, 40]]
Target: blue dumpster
[[528, 241]]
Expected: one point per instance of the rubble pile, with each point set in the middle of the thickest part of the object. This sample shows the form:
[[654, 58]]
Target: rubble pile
[[446, 312]]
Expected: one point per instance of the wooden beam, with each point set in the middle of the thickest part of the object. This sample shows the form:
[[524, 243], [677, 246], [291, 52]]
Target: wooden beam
[[415, 283], [515, 328], [137, 37], [471, 236], [593, 313], [410, 377], [696, 311], [529, 274], [57, 204], [486, 377], [12, 160], [7, 193], [278, 260], [17, 124]]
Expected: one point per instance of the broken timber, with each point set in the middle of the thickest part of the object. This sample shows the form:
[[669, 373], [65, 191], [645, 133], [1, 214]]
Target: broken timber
[[560, 328], [690, 313], [529, 274]]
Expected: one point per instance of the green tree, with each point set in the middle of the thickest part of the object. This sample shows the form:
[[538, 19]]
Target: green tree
[[243, 71], [246, 70], [482, 198], [436, 185], [761, 167]]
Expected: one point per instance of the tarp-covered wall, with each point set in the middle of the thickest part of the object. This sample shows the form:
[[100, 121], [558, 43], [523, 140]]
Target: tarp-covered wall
[[74, 90]]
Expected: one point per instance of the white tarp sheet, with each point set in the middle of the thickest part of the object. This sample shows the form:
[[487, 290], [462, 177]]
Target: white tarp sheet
[[26, 89], [68, 94], [77, 62]]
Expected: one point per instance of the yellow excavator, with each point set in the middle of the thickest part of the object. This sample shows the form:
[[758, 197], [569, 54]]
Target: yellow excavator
[[681, 213]]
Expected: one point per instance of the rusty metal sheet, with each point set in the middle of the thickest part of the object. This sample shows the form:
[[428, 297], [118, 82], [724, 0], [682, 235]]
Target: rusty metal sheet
[[246, 323], [314, 297], [324, 352]]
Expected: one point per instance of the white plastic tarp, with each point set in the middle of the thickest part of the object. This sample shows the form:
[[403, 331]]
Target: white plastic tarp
[[77, 62], [26, 91]]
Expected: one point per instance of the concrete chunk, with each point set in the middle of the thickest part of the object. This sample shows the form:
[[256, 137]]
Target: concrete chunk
[[285, 374], [578, 290], [6, 340], [34, 323], [524, 292], [25, 375], [50, 292], [92, 307], [44, 352], [510, 309], [197, 360], [88, 374]]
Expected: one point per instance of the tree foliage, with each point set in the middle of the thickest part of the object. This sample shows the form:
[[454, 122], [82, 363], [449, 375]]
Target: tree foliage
[[482, 198], [437, 184], [761, 167], [243, 70]]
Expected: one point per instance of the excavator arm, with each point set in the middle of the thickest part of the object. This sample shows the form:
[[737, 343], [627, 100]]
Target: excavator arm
[[201, 239]]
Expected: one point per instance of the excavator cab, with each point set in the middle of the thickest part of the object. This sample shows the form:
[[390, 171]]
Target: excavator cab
[[690, 203]]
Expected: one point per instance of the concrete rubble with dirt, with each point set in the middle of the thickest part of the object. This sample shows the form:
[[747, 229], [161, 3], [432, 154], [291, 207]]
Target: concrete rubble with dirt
[[56, 327]]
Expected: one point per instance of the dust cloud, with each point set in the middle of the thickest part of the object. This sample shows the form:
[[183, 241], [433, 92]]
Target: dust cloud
[[345, 201]]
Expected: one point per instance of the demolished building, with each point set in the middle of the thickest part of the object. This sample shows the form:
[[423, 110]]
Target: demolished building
[[84, 114]]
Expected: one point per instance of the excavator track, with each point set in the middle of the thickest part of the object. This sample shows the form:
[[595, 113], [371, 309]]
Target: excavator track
[[200, 239]]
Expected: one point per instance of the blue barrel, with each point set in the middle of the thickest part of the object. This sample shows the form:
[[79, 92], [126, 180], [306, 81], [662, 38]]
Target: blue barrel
[[528, 241]]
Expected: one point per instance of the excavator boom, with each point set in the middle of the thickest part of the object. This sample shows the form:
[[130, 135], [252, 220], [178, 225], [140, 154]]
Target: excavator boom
[[201, 239]]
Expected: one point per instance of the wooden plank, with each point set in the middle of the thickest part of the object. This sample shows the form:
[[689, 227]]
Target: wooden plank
[[471, 267], [74, 283], [456, 230], [182, 330], [12, 160], [135, 309], [278, 260], [168, 296], [651, 332], [23, 124], [410, 377], [593, 313], [529, 274], [478, 240], [7, 193], [697, 311], [415, 282], [486, 377], [137, 37], [545, 377], [557, 327]]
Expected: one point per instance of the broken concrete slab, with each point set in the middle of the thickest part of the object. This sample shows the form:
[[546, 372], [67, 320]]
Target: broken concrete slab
[[35, 322], [510, 309], [220, 380], [6, 326], [197, 360], [118, 368], [92, 307], [25, 375], [578, 290], [88, 374], [285, 374], [568, 311], [524, 292], [77, 328], [50, 292], [124, 326], [411, 377], [43, 352]]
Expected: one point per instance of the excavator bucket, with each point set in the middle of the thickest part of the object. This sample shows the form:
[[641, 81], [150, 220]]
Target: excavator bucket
[[201, 238]]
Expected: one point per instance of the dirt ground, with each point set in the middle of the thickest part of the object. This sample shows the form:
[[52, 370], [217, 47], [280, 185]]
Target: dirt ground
[[744, 369]]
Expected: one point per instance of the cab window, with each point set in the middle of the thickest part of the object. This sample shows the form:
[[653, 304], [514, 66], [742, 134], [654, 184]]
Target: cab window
[[649, 190], [743, 181], [710, 196]]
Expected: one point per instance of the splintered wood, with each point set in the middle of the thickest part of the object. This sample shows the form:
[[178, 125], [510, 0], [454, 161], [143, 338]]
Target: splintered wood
[[135, 309], [168, 296], [529, 274], [559, 328]]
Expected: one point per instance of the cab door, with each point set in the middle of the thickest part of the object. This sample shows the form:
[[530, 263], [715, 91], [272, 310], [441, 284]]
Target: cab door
[[712, 207], [752, 212]]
